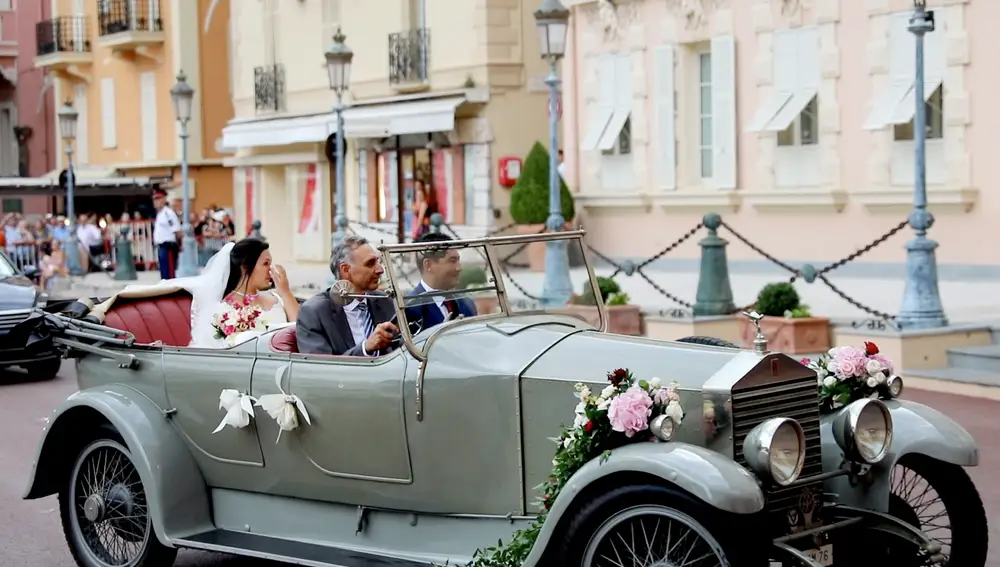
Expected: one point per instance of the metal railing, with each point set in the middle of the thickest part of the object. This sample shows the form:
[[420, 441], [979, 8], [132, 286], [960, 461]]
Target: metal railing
[[118, 16], [269, 87], [65, 34], [409, 56]]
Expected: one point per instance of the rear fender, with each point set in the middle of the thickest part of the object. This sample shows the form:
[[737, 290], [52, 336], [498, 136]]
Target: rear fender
[[916, 429], [175, 489], [706, 475]]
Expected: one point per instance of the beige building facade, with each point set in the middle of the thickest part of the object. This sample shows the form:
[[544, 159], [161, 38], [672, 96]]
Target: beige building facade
[[439, 91], [793, 119]]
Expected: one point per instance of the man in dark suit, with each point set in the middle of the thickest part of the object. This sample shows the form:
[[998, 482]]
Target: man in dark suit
[[440, 270], [358, 327]]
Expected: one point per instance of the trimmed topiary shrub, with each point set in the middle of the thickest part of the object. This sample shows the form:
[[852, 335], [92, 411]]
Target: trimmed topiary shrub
[[529, 199], [609, 289], [777, 299]]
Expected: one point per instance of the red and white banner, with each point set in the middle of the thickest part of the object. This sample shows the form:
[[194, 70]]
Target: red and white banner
[[311, 206]]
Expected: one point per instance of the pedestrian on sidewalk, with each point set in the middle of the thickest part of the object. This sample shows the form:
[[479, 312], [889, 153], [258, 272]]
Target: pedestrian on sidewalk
[[166, 235]]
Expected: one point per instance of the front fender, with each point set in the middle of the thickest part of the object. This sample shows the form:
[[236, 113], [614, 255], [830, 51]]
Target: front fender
[[706, 475], [175, 490], [917, 429]]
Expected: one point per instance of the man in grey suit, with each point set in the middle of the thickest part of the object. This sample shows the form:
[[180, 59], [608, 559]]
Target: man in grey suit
[[360, 327]]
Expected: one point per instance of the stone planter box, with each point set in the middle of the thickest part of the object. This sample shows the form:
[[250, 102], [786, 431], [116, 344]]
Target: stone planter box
[[622, 319], [805, 335]]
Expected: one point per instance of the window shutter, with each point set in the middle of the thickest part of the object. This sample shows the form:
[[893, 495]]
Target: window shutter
[[783, 52], [147, 98], [663, 91], [82, 129], [601, 114], [623, 81], [724, 111], [109, 132]]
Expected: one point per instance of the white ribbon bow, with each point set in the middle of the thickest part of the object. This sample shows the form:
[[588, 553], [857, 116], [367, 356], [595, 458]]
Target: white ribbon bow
[[239, 409], [283, 407]]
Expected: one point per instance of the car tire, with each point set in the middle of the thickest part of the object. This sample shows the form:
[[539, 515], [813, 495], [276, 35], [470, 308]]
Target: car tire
[[960, 500], [708, 341], [43, 371], [734, 539], [127, 519]]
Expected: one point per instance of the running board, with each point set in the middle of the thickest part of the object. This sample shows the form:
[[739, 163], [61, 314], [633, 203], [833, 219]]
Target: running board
[[287, 551]]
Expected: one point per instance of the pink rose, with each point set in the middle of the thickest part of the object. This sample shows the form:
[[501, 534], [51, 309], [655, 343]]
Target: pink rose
[[849, 362], [629, 411], [885, 362]]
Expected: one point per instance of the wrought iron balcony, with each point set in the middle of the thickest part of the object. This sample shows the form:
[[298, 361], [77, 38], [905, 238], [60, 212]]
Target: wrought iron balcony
[[409, 57], [128, 24], [65, 34], [269, 87]]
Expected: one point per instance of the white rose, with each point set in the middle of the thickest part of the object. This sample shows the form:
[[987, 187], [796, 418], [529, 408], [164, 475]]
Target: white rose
[[578, 386], [674, 412], [607, 392], [872, 382], [822, 373], [579, 420], [873, 367], [829, 381], [584, 393], [833, 351], [603, 404], [567, 442], [580, 408], [880, 377], [655, 383]]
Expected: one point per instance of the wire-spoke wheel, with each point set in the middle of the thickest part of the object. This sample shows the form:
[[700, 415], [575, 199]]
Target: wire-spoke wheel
[[105, 512], [941, 500], [653, 536]]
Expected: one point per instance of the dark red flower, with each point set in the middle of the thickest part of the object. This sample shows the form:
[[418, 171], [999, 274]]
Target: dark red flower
[[871, 348], [589, 426], [617, 376], [547, 502]]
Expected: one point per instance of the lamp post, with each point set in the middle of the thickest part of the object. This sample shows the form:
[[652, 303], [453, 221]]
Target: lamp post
[[921, 299], [183, 95], [67, 130], [552, 19], [338, 66]]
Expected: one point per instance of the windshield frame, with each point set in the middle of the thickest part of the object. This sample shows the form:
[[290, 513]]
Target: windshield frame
[[495, 278]]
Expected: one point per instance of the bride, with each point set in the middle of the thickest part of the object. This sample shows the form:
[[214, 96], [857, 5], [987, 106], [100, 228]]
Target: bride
[[240, 273]]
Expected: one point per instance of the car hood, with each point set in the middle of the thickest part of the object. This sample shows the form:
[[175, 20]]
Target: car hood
[[588, 356], [17, 293]]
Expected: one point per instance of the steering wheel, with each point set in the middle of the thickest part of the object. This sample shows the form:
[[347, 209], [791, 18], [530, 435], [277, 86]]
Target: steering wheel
[[397, 337]]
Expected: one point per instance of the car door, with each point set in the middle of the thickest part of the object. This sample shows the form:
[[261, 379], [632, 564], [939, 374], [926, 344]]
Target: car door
[[194, 380], [355, 444]]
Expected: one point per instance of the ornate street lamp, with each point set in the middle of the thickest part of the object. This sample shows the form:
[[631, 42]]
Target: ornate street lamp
[[552, 19], [183, 98], [68, 117], [922, 307], [338, 67]]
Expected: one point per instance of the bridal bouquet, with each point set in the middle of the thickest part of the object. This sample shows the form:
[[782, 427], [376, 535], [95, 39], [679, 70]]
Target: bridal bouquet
[[849, 373], [232, 320]]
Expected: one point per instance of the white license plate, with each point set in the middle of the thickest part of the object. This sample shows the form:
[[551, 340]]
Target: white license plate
[[823, 555]]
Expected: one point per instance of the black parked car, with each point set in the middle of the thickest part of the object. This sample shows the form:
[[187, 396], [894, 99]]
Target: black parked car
[[19, 344]]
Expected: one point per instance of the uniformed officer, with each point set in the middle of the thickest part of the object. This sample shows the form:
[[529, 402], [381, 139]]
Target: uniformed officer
[[166, 235]]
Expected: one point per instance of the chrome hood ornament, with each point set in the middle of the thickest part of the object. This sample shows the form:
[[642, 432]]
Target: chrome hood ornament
[[759, 340]]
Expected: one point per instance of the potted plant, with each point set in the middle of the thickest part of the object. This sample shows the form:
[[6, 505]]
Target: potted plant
[[623, 317], [529, 202], [787, 324], [473, 277]]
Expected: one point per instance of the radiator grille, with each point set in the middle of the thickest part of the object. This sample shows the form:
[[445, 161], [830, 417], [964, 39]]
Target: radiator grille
[[798, 400]]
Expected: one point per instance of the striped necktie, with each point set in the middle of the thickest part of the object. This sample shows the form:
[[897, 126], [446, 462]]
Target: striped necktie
[[366, 318]]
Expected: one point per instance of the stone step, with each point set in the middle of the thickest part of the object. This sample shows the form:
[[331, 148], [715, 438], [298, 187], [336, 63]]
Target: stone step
[[953, 374], [986, 358]]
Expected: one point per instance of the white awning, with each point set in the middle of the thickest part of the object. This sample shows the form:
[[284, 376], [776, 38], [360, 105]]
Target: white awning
[[282, 131], [781, 110], [596, 128], [898, 105], [615, 125], [400, 118]]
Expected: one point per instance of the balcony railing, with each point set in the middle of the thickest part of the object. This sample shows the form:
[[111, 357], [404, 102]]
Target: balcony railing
[[269, 87], [119, 16], [409, 56], [65, 34]]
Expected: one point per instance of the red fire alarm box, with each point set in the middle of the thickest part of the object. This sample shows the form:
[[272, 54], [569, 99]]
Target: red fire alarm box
[[510, 170]]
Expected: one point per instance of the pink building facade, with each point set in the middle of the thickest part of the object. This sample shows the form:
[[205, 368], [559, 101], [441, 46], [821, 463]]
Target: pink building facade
[[27, 135], [790, 118]]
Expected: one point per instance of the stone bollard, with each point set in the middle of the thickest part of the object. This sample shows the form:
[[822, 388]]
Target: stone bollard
[[715, 293], [437, 219], [255, 231], [125, 263]]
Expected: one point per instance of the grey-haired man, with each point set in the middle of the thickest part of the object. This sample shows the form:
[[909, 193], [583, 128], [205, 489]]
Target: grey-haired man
[[361, 327]]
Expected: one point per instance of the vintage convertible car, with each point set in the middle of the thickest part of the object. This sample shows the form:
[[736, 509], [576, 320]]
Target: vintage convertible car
[[424, 455]]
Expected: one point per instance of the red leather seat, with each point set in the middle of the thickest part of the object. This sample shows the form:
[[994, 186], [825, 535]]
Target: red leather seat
[[284, 340], [165, 318]]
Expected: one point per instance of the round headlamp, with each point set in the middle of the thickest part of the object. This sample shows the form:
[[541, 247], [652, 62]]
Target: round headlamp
[[864, 431], [776, 449], [894, 386], [662, 427]]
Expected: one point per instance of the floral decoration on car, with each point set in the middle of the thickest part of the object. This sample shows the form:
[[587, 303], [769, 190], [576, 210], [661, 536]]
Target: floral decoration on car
[[626, 411], [848, 373], [238, 407], [284, 407]]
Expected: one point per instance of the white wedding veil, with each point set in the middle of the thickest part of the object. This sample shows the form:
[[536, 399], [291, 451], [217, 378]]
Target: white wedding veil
[[206, 291]]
